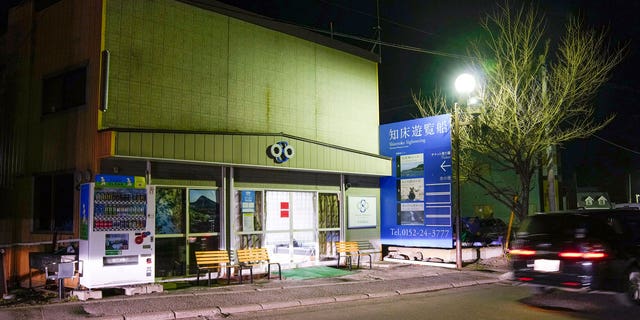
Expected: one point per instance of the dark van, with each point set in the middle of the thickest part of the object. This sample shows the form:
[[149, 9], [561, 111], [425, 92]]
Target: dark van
[[583, 250]]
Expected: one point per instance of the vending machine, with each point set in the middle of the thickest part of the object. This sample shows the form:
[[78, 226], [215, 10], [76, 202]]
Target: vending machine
[[117, 223]]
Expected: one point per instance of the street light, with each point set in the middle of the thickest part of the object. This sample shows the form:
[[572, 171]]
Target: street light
[[465, 84]]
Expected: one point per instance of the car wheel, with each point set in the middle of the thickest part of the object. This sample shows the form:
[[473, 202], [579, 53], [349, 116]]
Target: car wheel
[[633, 286], [631, 295]]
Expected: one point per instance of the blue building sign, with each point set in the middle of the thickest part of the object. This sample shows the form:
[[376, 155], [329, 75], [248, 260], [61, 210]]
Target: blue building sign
[[416, 201]]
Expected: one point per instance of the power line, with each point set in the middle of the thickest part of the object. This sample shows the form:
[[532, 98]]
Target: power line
[[616, 145], [381, 18], [398, 107], [392, 45], [363, 39]]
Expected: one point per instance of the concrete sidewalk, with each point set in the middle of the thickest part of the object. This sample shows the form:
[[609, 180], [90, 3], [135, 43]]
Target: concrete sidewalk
[[384, 279]]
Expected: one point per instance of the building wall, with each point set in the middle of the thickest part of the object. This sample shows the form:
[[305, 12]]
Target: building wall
[[246, 150], [40, 44], [173, 67], [67, 35], [45, 43], [179, 67]]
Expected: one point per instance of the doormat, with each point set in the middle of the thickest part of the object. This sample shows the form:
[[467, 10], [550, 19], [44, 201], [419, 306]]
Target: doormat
[[313, 272]]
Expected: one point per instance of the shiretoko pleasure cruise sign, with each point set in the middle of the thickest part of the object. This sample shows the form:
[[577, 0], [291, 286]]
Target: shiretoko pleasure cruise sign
[[416, 200]]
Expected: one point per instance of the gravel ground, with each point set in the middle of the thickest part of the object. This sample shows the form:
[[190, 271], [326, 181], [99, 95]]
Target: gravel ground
[[499, 264]]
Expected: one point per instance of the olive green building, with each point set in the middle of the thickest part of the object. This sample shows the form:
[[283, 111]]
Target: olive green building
[[210, 104]]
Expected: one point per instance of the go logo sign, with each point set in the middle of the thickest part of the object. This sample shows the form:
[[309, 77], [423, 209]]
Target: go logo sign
[[280, 151]]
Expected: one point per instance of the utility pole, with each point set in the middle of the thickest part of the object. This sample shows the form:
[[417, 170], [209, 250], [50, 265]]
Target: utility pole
[[456, 128], [378, 33]]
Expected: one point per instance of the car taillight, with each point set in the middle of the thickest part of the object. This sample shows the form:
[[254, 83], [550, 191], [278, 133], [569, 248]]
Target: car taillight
[[582, 255], [522, 252], [590, 252]]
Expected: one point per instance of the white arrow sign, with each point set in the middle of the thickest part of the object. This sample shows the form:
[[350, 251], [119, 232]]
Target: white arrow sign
[[443, 165]]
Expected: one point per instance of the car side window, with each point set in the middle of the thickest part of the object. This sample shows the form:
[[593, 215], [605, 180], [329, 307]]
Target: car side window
[[615, 225], [632, 229]]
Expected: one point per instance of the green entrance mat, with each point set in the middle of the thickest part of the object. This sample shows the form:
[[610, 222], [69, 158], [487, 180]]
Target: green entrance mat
[[313, 272]]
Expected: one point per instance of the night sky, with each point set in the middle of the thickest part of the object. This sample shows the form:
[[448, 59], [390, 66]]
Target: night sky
[[446, 27]]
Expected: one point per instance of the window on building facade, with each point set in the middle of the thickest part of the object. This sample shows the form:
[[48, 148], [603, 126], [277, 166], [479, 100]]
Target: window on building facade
[[64, 91], [204, 215], [43, 4], [187, 220], [170, 210], [53, 203], [328, 224], [249, 219]]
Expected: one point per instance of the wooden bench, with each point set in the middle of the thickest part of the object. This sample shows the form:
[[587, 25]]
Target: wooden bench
[[216, 260], [348, 250], [251, 257], [365, 246]]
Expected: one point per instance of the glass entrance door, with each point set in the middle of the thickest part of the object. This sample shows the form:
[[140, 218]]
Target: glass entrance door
[[291, 227]]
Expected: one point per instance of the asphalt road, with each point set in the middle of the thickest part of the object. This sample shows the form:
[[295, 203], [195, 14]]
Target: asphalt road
[[495, 301]]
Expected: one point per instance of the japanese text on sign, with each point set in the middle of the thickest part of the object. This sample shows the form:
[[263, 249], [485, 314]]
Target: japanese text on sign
[[427, 129]]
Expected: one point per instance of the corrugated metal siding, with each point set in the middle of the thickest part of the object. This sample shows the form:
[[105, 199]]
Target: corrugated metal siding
[[257, 177], [12, 160], [59, 142], [204, 71], [247, 150]]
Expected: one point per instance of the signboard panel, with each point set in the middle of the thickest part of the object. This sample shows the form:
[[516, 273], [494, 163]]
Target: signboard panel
[[416, 201], [362, 212]]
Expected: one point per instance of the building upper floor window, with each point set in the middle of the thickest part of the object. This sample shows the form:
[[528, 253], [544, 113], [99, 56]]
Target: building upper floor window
[[43, 4], [64, 91], [53, 202]]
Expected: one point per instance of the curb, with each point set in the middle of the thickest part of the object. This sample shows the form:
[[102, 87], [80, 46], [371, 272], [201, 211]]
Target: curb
[[280, 305], [314, 301], [351, 297], [159, 315], [209, 312], [240, 308], [225, 311], [383, 294]]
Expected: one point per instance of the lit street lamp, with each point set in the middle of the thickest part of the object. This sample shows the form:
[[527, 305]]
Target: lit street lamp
[[465, 84]]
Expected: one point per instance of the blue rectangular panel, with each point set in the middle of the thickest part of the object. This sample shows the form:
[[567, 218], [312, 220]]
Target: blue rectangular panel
[[437, 210], [85, 207], [248, 200], [416, 199], [436, 220]]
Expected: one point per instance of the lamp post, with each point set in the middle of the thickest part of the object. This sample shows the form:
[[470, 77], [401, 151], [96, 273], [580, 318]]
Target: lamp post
[[465, 83]]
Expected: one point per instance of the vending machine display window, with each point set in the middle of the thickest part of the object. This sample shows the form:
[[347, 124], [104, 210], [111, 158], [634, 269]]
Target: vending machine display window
[[116, 243]]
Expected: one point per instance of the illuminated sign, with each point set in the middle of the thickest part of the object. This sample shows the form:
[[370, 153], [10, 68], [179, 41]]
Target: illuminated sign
[[416, 200], [113, 181], [362, 212]]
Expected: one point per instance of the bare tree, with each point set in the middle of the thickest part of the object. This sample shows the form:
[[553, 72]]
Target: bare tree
[[432, 105], [531, 101]]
